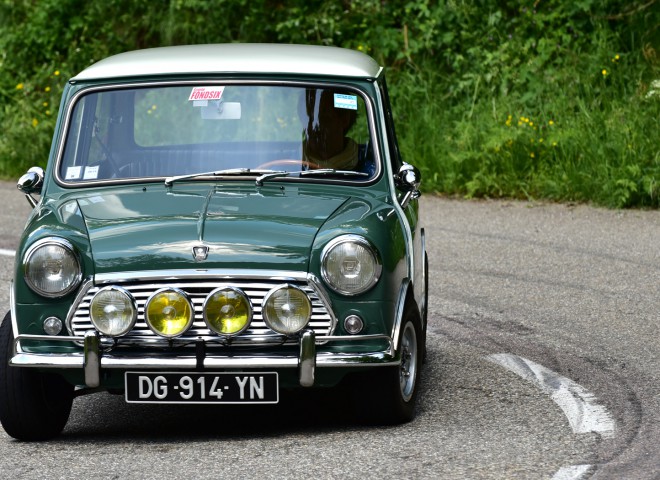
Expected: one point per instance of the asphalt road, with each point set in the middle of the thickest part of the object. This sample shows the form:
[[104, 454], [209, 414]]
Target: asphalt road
[[543, 363]]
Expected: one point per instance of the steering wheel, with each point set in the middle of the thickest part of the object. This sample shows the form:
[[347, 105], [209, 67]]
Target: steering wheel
[[286, 161]]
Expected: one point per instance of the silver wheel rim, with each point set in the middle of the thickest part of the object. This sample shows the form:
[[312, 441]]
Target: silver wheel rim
[[408, 370]]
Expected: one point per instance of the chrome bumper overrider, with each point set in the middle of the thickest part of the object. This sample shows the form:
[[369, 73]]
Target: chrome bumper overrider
[[92, 359]]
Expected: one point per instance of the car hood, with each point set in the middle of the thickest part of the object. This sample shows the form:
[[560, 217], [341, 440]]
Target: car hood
[[155, 228]]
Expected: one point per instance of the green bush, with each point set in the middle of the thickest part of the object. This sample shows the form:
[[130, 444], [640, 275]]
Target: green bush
[[550, 99]]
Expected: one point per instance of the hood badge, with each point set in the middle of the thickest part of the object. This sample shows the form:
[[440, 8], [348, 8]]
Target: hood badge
[[200, 252]]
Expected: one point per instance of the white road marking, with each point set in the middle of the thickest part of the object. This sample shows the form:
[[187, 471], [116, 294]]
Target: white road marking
[[575, 472], [580, 406], [7, 253]]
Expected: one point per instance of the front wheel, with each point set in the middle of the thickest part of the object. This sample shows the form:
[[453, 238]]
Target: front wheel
[[33, 405], [388, 395]]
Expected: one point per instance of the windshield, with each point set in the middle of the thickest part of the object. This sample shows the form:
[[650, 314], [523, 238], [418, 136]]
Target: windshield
[[166, 131]]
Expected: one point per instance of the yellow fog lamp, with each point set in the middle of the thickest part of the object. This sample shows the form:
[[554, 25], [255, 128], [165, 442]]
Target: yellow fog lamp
[[227, 311], [286, 309], [112, 311], [169, 312]]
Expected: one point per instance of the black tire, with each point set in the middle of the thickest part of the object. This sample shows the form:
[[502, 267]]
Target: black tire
[[33, 405], [388, 395]]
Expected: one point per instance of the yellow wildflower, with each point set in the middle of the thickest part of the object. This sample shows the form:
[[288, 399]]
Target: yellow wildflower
[[19, 86], [35, 122], [47, 89], [604, 72], [57, 72]]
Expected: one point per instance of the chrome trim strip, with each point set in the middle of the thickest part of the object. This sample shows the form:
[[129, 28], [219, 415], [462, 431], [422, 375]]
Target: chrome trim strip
[[198, 274], [86, 285], [316, 285], [400, 307]]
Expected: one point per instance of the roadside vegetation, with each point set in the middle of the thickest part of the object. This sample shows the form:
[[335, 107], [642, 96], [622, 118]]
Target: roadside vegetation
[[536, 99]]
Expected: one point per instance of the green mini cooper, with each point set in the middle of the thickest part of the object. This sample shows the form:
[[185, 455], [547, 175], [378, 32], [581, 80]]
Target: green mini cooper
[[217, 224]]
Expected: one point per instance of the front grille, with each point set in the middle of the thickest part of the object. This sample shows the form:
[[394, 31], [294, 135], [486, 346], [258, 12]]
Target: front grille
[[198, 290]]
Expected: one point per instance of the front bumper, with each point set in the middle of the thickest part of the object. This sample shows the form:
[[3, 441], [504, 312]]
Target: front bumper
[[93, 359]]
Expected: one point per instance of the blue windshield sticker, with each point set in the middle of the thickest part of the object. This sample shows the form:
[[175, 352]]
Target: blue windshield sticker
[[348, 102]]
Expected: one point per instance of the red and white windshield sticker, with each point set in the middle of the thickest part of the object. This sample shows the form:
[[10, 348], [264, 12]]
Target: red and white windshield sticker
[[206, 93]]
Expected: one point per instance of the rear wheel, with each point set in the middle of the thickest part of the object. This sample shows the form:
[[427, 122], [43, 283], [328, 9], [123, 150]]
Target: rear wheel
[[33, 405], [388, 394]]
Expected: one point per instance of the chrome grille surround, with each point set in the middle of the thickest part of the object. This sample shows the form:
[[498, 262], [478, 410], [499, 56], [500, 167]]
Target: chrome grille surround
[[198, 284]]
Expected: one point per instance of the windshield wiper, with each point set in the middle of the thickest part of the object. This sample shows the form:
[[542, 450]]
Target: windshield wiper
[[220, 173], [310, 173], [332, 171], [268, 175]]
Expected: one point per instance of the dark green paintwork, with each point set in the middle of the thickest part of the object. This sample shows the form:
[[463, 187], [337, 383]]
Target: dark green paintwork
[[282, 225]]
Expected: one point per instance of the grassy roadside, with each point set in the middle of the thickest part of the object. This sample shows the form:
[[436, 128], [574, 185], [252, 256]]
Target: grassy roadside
[[545, 99], [593, 147]]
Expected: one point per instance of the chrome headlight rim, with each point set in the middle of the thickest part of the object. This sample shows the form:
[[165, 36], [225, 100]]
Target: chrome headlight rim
[[249, 305], [131, 301], [68, 247], [358, 240], [185, 296], [269, 322]]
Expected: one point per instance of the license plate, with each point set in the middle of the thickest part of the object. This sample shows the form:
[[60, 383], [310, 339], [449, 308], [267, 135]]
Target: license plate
[[198, 387]]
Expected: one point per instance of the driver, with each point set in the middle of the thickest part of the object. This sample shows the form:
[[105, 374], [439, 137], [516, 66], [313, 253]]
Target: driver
[[325, 126]]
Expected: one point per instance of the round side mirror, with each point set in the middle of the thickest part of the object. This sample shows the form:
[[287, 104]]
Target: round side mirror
[[32, 181], [408, 178]]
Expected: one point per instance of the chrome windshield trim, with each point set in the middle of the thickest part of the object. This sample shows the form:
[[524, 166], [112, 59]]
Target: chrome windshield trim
[[128, 84]]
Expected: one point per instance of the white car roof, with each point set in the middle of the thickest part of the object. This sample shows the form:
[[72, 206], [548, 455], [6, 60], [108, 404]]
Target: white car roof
[[239, 58]]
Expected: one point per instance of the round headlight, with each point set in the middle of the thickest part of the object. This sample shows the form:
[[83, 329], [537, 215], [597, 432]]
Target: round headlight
[[51, 268], [286, 309], [227, 311], [112, 311], [169, 312], [349, 265]]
